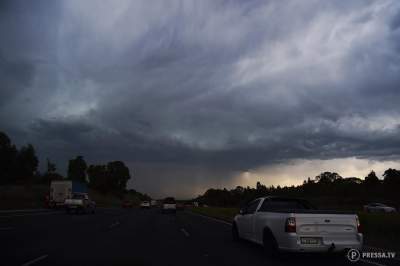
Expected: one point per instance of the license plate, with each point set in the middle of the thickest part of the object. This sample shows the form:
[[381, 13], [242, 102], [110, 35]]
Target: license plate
[[310, 240]]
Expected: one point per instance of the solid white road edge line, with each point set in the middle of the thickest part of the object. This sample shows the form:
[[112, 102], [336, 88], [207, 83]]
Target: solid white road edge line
[[185, 232], [210, 218], [35, 260], [32, 214]]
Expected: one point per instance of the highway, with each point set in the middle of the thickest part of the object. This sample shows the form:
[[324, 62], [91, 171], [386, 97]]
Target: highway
[[132, 237]]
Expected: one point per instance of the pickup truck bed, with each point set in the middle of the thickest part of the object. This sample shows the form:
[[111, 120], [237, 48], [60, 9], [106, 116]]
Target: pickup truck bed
[[297, 228]]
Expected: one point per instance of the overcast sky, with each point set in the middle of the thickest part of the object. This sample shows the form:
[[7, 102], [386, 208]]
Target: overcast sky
[[198, 94]]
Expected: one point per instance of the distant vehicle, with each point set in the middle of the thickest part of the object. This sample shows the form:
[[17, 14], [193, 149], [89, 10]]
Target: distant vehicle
[[294, 225], [378, 207], [127, 204], [145, 204], [80, 203], [169, 205], [61, 190], [153, 203]]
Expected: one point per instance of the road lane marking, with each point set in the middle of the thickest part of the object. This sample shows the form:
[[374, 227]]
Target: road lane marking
[[23, 210], [372, 262], [32, 214], [185, 232], [211, 218], [35, 260], [114, 225]]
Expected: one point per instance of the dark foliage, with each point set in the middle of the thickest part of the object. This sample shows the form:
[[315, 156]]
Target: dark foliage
[[326, 187]]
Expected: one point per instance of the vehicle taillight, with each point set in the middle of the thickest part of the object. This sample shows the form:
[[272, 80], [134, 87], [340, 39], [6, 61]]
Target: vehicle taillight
[[358, 225], [290, 225]]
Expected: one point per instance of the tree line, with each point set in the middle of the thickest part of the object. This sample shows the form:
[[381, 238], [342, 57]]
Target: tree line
[[328, 189], [20, 167]]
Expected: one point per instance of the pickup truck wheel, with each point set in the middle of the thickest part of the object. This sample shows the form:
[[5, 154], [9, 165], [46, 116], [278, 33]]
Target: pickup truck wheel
[[235, 233], [270, 244]]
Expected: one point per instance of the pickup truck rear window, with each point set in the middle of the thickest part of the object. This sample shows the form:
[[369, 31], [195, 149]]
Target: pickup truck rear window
[[284, 204], [78, 196]]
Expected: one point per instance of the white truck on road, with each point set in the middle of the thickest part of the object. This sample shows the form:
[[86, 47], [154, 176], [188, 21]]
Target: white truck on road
[[285, 224]]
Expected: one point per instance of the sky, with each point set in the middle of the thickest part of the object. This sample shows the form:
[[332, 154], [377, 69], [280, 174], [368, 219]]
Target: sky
[[199, 94]]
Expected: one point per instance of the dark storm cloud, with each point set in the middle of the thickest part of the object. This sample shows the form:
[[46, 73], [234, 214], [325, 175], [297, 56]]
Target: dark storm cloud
[[189, 91]]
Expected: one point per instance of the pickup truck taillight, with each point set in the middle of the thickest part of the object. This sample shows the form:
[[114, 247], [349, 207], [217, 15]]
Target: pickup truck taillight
[[358, 225], [290, 225]]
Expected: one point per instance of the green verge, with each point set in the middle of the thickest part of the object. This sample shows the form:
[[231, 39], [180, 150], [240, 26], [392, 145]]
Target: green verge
[[380, 230]]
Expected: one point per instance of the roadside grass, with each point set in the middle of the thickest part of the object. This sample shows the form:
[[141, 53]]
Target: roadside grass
[[22, 197], [380, 230]]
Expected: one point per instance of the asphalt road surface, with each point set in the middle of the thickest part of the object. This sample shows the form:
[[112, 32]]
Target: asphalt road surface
[[133, 237]]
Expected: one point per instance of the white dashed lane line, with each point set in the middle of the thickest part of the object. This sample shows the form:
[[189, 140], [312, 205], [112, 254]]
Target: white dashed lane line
[[31, 262], [114, 225], [185, 232]]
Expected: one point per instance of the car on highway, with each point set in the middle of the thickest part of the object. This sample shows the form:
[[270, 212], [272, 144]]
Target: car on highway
[[169, 205], [145, 204], [286, 224], [127, 204], [378, 207], [80, 203]]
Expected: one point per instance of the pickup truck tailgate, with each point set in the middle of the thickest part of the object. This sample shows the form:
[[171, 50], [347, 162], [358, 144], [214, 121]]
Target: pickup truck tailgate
[[323, 224], [74, 202]]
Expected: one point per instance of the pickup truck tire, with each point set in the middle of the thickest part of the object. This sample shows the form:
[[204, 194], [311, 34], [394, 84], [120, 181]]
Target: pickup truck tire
[[269, 243], [235, 233]]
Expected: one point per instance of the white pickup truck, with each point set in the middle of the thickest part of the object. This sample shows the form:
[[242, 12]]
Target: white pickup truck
[[284, 224], [80, 202]]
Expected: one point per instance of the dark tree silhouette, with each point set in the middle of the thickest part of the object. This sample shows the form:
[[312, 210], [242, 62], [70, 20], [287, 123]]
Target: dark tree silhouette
[[391, 182], [26, 164], [109, 178], [51, 173], [8, 156], [77, 169], [118, 175]]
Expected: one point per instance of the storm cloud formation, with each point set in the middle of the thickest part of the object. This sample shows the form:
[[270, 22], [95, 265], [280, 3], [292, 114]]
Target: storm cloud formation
[[191, 93]]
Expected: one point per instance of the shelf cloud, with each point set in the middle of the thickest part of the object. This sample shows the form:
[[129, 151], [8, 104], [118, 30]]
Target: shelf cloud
[[197, 93]]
